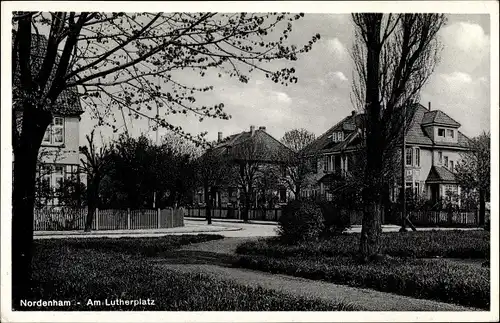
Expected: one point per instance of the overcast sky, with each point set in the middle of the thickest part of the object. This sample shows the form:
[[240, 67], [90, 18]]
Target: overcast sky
[[460, 85]]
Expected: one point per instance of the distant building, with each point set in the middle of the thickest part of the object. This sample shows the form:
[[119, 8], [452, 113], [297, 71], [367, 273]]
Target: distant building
[[433, 147], [266, 154]]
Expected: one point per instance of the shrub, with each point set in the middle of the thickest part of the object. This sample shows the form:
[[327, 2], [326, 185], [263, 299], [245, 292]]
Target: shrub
[[300, 220], [336, 219]]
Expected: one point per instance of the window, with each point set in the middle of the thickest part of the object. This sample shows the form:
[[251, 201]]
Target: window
[[440, 157], [54, 135], [417, 157], [417, 188], [445, 161], [440, 132], [451, 190], [450, 133], [409, 156], [408, 189], [282, 195], [58, 176], [337, 136], [325, 164], [452, 166], [337, 165]]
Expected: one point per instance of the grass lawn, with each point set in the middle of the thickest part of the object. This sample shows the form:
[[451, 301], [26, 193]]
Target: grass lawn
[[110, 269], [420, 244], [401, 273]]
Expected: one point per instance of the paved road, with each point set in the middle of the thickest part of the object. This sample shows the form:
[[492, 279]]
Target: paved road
[[227, 228]]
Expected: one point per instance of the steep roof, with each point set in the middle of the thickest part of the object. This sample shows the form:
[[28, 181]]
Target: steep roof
[[439, 117], [416, 133], [68, 102], [440, 174], [259, 146], [324, 142]]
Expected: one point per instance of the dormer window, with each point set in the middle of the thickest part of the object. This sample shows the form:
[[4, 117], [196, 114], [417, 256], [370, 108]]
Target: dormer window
[[450, 133], [441, 132], [337, 136]]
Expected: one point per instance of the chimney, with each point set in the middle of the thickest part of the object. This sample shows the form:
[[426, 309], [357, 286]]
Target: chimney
[[252, 130], [219, 136], [429, 105], [263, 128], [353, 113]]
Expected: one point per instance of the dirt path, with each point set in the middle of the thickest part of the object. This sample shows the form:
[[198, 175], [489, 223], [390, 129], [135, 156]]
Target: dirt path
[[215, 258]]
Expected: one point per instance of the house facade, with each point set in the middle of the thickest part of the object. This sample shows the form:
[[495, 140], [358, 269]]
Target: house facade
[[433, 147], [256, 160], [334, 156], [59, 157]]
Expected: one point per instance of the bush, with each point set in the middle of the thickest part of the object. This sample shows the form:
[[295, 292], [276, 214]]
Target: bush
[[336, 219], [300, 221], [78, 275], [429, 279]]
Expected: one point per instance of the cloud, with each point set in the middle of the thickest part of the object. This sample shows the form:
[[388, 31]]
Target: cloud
[[337, 48], [338, 75], [466, 48], [283, 97], [467, 36], [457, 79], [463, 97]]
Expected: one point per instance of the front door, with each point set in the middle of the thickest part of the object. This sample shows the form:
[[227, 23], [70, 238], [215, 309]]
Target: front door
[[434, 193]]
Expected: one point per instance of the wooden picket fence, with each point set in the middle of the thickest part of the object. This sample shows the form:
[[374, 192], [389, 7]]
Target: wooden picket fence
[[59, 219], [418, 218], [467, 218], [233, 213]]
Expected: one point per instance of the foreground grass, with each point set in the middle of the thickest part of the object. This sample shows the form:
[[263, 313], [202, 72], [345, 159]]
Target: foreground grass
[[65, 271], [334, 260], [148, 247], [424, 244]]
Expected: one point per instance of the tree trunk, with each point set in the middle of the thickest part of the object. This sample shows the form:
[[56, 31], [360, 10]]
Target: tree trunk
[[208, 204], [23, 198], [482, 207], [371, 226], [92, 197], [371, 230], [90, 216], [297, 191], [246, 206]]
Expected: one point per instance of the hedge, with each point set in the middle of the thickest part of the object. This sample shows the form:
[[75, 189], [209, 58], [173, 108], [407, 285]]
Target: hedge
[[421, 244], [428, 279]]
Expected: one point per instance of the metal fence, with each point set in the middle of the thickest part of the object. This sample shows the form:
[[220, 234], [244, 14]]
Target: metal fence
[[232, 213], [62, 218]]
